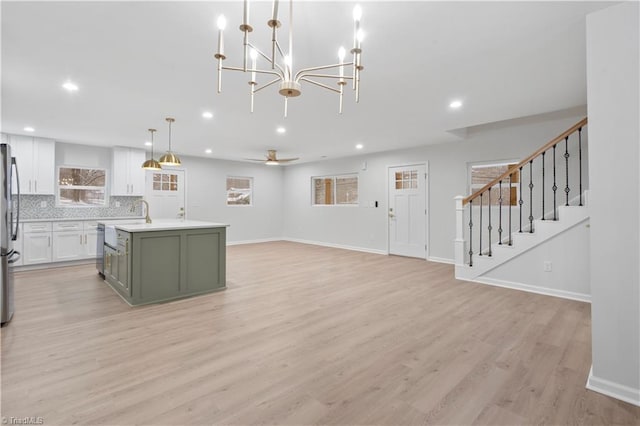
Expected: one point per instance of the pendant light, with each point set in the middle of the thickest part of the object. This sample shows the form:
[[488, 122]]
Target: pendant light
[[151, 164], [170, 159]]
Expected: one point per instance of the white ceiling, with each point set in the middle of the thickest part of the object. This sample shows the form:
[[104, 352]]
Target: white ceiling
[[139, 62]]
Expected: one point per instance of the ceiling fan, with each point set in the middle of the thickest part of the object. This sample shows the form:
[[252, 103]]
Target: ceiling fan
[[272, 159]]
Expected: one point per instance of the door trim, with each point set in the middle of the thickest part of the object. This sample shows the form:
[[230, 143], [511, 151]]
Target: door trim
[[426, 206]]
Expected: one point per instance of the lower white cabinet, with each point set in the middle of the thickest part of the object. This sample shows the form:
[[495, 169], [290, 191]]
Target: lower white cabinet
[[74, 240], [45, 242], [36, 244]]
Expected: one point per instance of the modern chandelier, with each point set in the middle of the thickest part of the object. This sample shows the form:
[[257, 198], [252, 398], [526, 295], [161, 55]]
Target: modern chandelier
[[280, 64]]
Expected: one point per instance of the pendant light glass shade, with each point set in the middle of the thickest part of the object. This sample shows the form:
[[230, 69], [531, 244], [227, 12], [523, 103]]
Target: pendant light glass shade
[[170, 159], [151, 164]]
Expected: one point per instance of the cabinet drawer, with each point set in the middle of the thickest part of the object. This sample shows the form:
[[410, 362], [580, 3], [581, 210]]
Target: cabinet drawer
[[67, 226], [37, 227], [91, 225]]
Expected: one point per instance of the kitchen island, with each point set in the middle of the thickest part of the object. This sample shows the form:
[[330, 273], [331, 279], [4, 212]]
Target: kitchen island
[[165, 260]]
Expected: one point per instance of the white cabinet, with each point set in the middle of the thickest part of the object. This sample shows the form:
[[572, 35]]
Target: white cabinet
[[127, 174], [90, 239], [67, 241], [36, 243], [35, 158], [74, 240]]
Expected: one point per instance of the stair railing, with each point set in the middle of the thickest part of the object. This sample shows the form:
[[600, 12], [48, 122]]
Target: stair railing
[[464, 253]]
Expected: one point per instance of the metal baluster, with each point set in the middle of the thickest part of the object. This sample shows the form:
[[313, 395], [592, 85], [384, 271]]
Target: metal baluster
[[566, 167], [500, 213], [480, 249], [520, 202], [490, 227], [580, 160], [470, 233], [543, 185], [510, 188], [531, 197], [555, 186]]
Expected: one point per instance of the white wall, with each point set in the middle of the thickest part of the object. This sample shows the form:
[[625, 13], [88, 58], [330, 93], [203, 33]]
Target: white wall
[[569, 275], [613, 99], [365, 227], [206, 197]]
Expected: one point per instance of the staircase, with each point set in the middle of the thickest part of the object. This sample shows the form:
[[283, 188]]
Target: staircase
[[508, 238]]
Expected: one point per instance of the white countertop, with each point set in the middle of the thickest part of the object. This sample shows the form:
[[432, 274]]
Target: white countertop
[[168, 225]]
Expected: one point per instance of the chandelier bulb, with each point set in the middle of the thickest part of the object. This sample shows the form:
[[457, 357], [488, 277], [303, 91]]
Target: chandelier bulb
[[341, 53], [222, 22], [253, 53], [357, 13]]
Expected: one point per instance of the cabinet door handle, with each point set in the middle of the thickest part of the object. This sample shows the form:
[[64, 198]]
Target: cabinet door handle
[[49, 241], [29, 185], [80, 239], [36, 185], [85, 238]]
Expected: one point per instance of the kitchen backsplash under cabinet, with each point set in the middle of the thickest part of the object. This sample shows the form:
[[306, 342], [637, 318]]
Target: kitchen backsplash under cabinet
[[44, 207]]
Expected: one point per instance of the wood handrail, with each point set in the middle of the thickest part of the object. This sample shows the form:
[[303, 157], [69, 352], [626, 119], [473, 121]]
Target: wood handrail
[[536, 154]]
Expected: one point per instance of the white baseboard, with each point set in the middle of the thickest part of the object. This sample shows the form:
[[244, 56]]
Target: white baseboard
[[263, 240], [612, 389], [531, 289], [441, 260], [338, 246]]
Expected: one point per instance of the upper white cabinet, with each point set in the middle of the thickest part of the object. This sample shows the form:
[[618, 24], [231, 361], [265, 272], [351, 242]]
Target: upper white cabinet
[[35, 158], [127, 174]]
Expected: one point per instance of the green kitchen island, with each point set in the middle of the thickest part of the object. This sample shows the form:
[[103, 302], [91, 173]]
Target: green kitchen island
[[165, 260]]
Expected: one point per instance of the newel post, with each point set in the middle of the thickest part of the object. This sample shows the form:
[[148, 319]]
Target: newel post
[[459, 249]]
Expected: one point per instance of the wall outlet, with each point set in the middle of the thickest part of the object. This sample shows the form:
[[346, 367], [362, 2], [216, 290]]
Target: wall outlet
[[117, 204], [43, 204], [547, 266]]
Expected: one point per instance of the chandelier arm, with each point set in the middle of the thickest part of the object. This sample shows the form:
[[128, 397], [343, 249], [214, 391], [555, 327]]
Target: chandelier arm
[[268, 59], [258, 71], [272, 82], [322, 67], [325, 76], [320, 84]]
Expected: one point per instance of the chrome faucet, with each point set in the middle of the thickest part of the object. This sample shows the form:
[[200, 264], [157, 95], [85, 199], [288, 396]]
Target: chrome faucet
[[147, 219]]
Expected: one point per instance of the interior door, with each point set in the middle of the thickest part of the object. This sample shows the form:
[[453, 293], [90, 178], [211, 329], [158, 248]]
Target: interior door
[[165, 193], [408, 210]]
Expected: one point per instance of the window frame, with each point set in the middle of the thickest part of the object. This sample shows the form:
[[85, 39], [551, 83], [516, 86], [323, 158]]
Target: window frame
[[251, 193], [334, 187], [492, 163], [105, 187]]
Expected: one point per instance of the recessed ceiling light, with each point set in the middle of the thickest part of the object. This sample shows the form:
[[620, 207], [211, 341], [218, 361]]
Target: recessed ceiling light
[[208, 151], [455, 104], [281, 130], [208, 115], [359, 146], [70, 86], [148, 143], [29, 129]]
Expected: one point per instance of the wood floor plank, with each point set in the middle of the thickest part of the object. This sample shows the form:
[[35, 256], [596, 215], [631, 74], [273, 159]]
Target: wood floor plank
[[303, 335]]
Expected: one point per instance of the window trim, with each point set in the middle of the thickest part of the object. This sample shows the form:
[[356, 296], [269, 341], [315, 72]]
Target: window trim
[[84, 187], [335, 192], [491, 163], [251, 188]]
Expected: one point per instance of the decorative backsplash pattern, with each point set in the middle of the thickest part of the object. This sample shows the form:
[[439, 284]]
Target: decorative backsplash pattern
[[44, 207]]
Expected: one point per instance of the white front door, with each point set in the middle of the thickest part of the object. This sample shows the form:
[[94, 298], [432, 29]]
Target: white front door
[[165, 193], [408, 210]]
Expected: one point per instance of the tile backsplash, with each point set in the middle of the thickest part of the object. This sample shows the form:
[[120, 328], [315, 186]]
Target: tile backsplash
[[44, 207]]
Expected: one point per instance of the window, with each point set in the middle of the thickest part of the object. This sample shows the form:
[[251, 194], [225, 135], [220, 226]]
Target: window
[[80, 186], [482, 174], [239, 191], [330, 190], [407, 180], [165, 182]]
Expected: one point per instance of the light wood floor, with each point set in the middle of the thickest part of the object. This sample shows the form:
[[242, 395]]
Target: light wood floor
[[302, 335]]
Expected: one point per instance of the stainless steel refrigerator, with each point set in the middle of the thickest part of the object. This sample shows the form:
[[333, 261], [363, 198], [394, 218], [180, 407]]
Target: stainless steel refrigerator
[[9, 221]]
